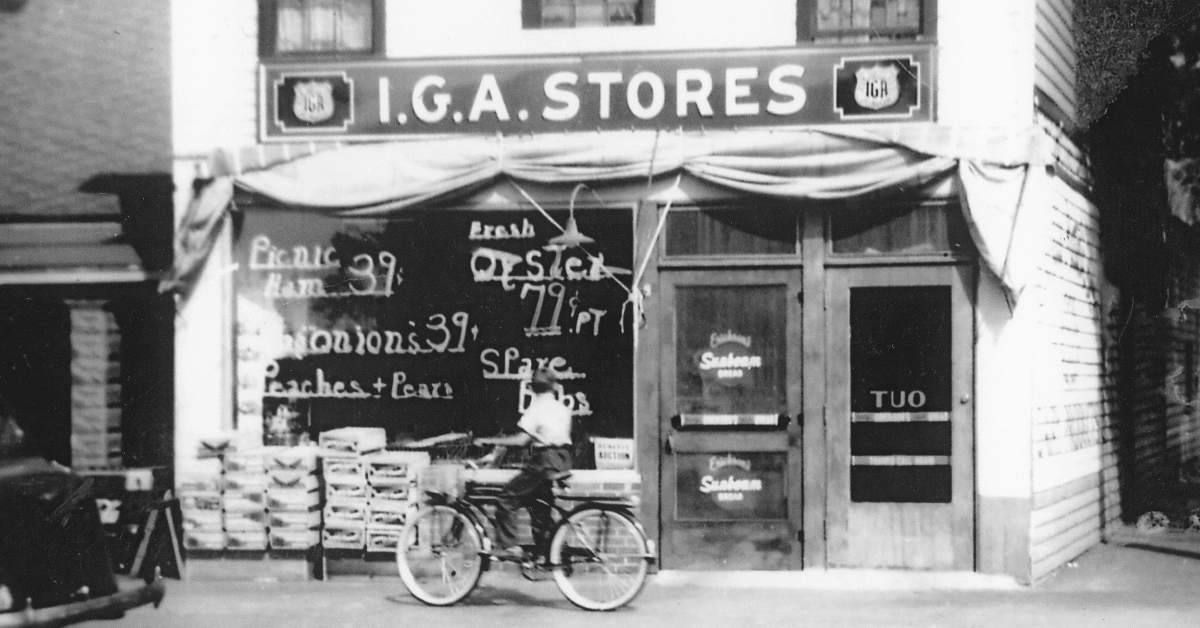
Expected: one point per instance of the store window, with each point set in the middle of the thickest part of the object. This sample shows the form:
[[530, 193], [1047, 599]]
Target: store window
[[315, 27], [864, 19], [585, 13], [933, 229], [692, 232]]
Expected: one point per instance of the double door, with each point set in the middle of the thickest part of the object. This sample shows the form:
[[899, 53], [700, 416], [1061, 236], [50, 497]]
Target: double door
[[895, 375]]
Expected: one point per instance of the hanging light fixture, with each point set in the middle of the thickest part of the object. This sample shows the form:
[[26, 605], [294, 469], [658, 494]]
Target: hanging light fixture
[[571, 236]]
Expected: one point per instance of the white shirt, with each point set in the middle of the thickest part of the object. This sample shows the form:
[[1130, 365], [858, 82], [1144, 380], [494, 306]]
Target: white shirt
[[548, 421]]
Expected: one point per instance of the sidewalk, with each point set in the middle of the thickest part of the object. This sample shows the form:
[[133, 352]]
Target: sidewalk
[[1131, 583]]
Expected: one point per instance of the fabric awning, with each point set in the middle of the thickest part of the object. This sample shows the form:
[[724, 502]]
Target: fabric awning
[[378, 179]]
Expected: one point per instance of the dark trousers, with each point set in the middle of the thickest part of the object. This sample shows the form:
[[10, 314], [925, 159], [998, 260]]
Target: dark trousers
[[532, 488]]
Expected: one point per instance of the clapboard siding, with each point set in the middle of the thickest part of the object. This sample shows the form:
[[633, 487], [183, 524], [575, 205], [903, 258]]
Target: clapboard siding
[[1074, 461], [1055, 62]]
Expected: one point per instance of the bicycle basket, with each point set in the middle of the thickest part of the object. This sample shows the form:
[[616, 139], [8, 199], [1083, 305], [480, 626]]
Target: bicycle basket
[[452, 446], [447, 479]]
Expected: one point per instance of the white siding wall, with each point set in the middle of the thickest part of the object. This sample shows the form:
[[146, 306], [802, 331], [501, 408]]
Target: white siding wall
[[1073, 415]]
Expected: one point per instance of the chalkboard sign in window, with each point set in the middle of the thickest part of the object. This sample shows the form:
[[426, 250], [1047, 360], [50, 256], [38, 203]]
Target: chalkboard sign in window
[[431, 323]]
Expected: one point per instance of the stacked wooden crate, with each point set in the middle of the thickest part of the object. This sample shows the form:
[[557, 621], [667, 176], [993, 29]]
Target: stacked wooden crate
[[391, 477], [344, 472], [95, 387]]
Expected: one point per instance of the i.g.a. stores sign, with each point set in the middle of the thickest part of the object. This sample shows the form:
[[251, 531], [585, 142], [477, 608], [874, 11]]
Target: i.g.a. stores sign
[[710, 89]]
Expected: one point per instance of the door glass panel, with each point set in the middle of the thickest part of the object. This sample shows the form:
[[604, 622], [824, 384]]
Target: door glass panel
[[900, 394], [756, 231], [731, 349], [923, 230]]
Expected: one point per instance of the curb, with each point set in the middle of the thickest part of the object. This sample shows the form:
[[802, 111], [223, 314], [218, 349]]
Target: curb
[[839, 580]]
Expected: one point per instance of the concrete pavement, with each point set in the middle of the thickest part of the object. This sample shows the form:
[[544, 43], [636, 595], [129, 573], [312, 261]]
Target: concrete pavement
[[1129, 584]]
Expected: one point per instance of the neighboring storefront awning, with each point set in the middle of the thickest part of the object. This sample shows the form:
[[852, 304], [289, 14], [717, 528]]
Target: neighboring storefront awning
[[827, 163], [67, 253]]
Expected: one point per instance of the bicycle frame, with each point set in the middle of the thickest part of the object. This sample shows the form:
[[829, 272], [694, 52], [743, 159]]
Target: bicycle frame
[[471, 507]]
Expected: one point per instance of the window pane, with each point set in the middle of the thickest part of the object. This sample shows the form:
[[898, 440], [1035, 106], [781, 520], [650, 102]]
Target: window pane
[[623, 12], [289, 26], [558, 13], [322, 25], [591, 13], [355, 25], [582, 13], [731, 349], [924, 230], [868, 16], [750, 231]]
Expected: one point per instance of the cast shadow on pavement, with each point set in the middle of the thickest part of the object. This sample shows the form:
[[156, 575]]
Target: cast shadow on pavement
[[491, 596]]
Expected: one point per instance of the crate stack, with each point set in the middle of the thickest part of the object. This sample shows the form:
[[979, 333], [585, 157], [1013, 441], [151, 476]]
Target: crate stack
[[244, 502], [344, 471], [293, 498], [391, 478], [200, 495]]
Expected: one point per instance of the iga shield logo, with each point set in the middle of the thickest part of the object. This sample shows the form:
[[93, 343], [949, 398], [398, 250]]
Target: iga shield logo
[[312, 101], [877, 87]]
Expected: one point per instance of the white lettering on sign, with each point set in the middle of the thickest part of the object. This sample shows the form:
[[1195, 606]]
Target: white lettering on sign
[[899, 398], [493, 265], [320, 388], [480, 231], [401, 389], [266, 256], [441, 100], [728, 460], [709, 484], [512, 366], [709, 361], [565, 97], [577, 403], [311, 340], [645, 95], [716, 339]]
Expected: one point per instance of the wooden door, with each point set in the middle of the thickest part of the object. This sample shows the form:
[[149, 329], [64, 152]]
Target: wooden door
[[731, 496], [899, 418]]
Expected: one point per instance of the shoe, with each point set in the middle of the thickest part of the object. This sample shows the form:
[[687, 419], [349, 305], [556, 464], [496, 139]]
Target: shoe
[[515, 553]]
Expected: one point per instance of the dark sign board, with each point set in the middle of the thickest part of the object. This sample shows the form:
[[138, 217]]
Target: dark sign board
[[689, 90], [431, 324], [730, 486]]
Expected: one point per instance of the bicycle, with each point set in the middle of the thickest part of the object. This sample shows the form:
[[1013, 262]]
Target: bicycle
[[597, 553]]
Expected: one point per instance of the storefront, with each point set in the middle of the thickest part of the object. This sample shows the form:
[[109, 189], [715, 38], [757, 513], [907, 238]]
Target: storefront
[[774, 294]]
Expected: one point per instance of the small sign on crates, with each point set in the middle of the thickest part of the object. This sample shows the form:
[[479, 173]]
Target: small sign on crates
[[613, 453]]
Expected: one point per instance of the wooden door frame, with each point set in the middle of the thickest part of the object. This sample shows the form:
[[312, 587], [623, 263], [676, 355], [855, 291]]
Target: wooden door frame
[[792, 279], [961, 280]]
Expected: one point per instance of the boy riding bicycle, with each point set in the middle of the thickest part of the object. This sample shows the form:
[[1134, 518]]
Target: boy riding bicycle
[[547, 425]]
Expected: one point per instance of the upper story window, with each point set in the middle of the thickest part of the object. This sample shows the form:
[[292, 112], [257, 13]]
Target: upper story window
[[316, 27], [582, 13], [864, 19]]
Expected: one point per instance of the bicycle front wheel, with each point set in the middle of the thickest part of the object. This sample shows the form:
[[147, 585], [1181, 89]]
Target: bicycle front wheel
[[439, 555], [600, 559]]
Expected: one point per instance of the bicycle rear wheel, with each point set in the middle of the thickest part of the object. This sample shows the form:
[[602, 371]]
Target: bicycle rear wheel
[[601, 558], [439, 555]]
